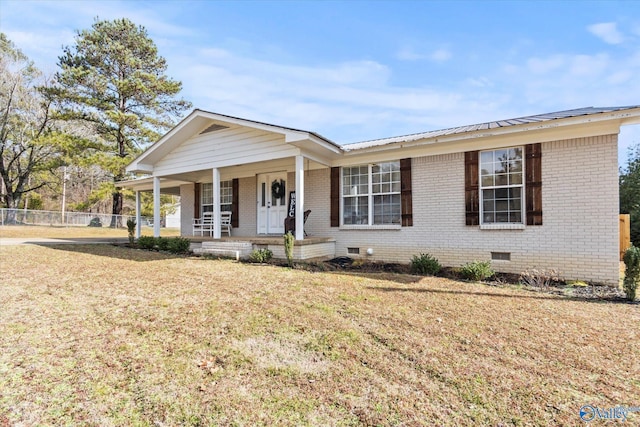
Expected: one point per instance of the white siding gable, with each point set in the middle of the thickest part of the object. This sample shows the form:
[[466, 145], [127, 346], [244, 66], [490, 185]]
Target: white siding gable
[[226, 147]]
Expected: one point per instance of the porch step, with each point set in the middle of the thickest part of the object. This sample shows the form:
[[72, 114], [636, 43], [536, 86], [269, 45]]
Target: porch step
[[237, 250], [314, 247]]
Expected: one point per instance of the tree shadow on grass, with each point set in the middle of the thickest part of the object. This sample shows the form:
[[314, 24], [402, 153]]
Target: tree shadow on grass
[[401, 278], [393, 272], [114, 251], [554, 297]]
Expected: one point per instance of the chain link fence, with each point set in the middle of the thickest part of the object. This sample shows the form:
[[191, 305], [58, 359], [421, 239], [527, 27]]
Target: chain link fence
[[68, 219]]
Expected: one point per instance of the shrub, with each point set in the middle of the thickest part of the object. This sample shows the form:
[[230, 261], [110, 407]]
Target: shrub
[[131, 229], [147, 242], [178, 245], [539, 278], [260, 255], [425, 264], [477, 270], [288, 247], [95, 222], [162, 243], [632, 272]]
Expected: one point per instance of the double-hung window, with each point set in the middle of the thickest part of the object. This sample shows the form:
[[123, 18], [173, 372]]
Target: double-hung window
[[502, 186], [371, 194], [226, 196]]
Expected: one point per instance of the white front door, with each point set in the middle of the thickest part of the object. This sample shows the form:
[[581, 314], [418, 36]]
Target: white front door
[[272, 202]]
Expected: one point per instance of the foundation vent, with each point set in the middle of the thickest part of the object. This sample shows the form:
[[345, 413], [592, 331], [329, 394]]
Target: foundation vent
[[501, 256], [214, 127]]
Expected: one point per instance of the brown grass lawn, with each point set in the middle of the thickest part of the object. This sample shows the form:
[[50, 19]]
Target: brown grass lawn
[[9, 231], [103, 335]]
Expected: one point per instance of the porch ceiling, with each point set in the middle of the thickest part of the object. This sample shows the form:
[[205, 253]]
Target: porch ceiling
[[171, 184], [167, 185]]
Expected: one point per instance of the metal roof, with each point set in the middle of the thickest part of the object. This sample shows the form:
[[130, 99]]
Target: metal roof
[[485, 126]]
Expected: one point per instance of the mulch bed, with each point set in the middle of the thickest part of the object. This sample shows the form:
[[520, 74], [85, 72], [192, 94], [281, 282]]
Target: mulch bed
[[589, 292]]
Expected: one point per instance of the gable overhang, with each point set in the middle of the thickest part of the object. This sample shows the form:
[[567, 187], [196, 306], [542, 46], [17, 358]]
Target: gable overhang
[[552, 130], [167, 185], [309, 144]]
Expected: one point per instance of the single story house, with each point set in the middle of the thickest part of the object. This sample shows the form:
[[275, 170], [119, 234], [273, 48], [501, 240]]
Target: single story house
[[538, 191]]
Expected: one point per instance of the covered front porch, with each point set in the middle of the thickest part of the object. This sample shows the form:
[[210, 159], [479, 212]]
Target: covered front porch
[[254, 170], [261, 199]]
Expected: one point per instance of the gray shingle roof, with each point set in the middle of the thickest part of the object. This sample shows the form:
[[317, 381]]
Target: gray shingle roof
[[485, 126]]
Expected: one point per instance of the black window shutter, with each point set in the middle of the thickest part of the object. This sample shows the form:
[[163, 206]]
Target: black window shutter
[[533, 183], [335, 197], [405, 193], [235, 202], [471, 188], [196, 200]]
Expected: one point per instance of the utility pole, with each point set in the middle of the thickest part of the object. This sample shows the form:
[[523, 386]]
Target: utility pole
[[26, 197], [64, 191]]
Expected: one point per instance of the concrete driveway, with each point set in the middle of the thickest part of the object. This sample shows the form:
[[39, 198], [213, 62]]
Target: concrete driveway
[[12, 241]]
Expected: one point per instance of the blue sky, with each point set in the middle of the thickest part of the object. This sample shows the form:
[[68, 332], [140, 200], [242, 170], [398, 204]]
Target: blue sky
[[360, 70]]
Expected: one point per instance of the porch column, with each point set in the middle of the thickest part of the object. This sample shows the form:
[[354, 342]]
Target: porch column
[[299, 197], [217, 232], [138, 216], [156, 206]]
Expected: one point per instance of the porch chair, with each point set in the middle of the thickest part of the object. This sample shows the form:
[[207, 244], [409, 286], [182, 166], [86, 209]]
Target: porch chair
[[225, 222], [290, 222], [205, 224], [200, 225]]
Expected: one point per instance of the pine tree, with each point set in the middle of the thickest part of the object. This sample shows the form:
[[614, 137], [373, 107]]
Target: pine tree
[[114, 80]]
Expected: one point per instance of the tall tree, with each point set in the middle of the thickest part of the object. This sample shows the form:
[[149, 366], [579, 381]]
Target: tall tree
[[630, 192], [114, 80], [30, 145]]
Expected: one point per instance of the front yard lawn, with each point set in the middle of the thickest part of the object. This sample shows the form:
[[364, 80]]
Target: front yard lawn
[[105, 335], [52, 232]]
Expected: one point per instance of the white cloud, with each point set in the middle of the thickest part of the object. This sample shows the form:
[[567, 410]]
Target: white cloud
[[359, 97], [619, 77], [546, 65], [607, 31], [53, 24], [479, 82], [581, 80], [589, 65], [409, 54], [358, 100], [441, 55], [43, 48], [347, 101]]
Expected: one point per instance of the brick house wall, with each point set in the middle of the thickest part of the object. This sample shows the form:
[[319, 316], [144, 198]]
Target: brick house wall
[[579, 235]]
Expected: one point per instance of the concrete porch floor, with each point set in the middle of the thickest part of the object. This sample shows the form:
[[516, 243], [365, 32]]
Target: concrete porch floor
[[242, 246], [261, 240]]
